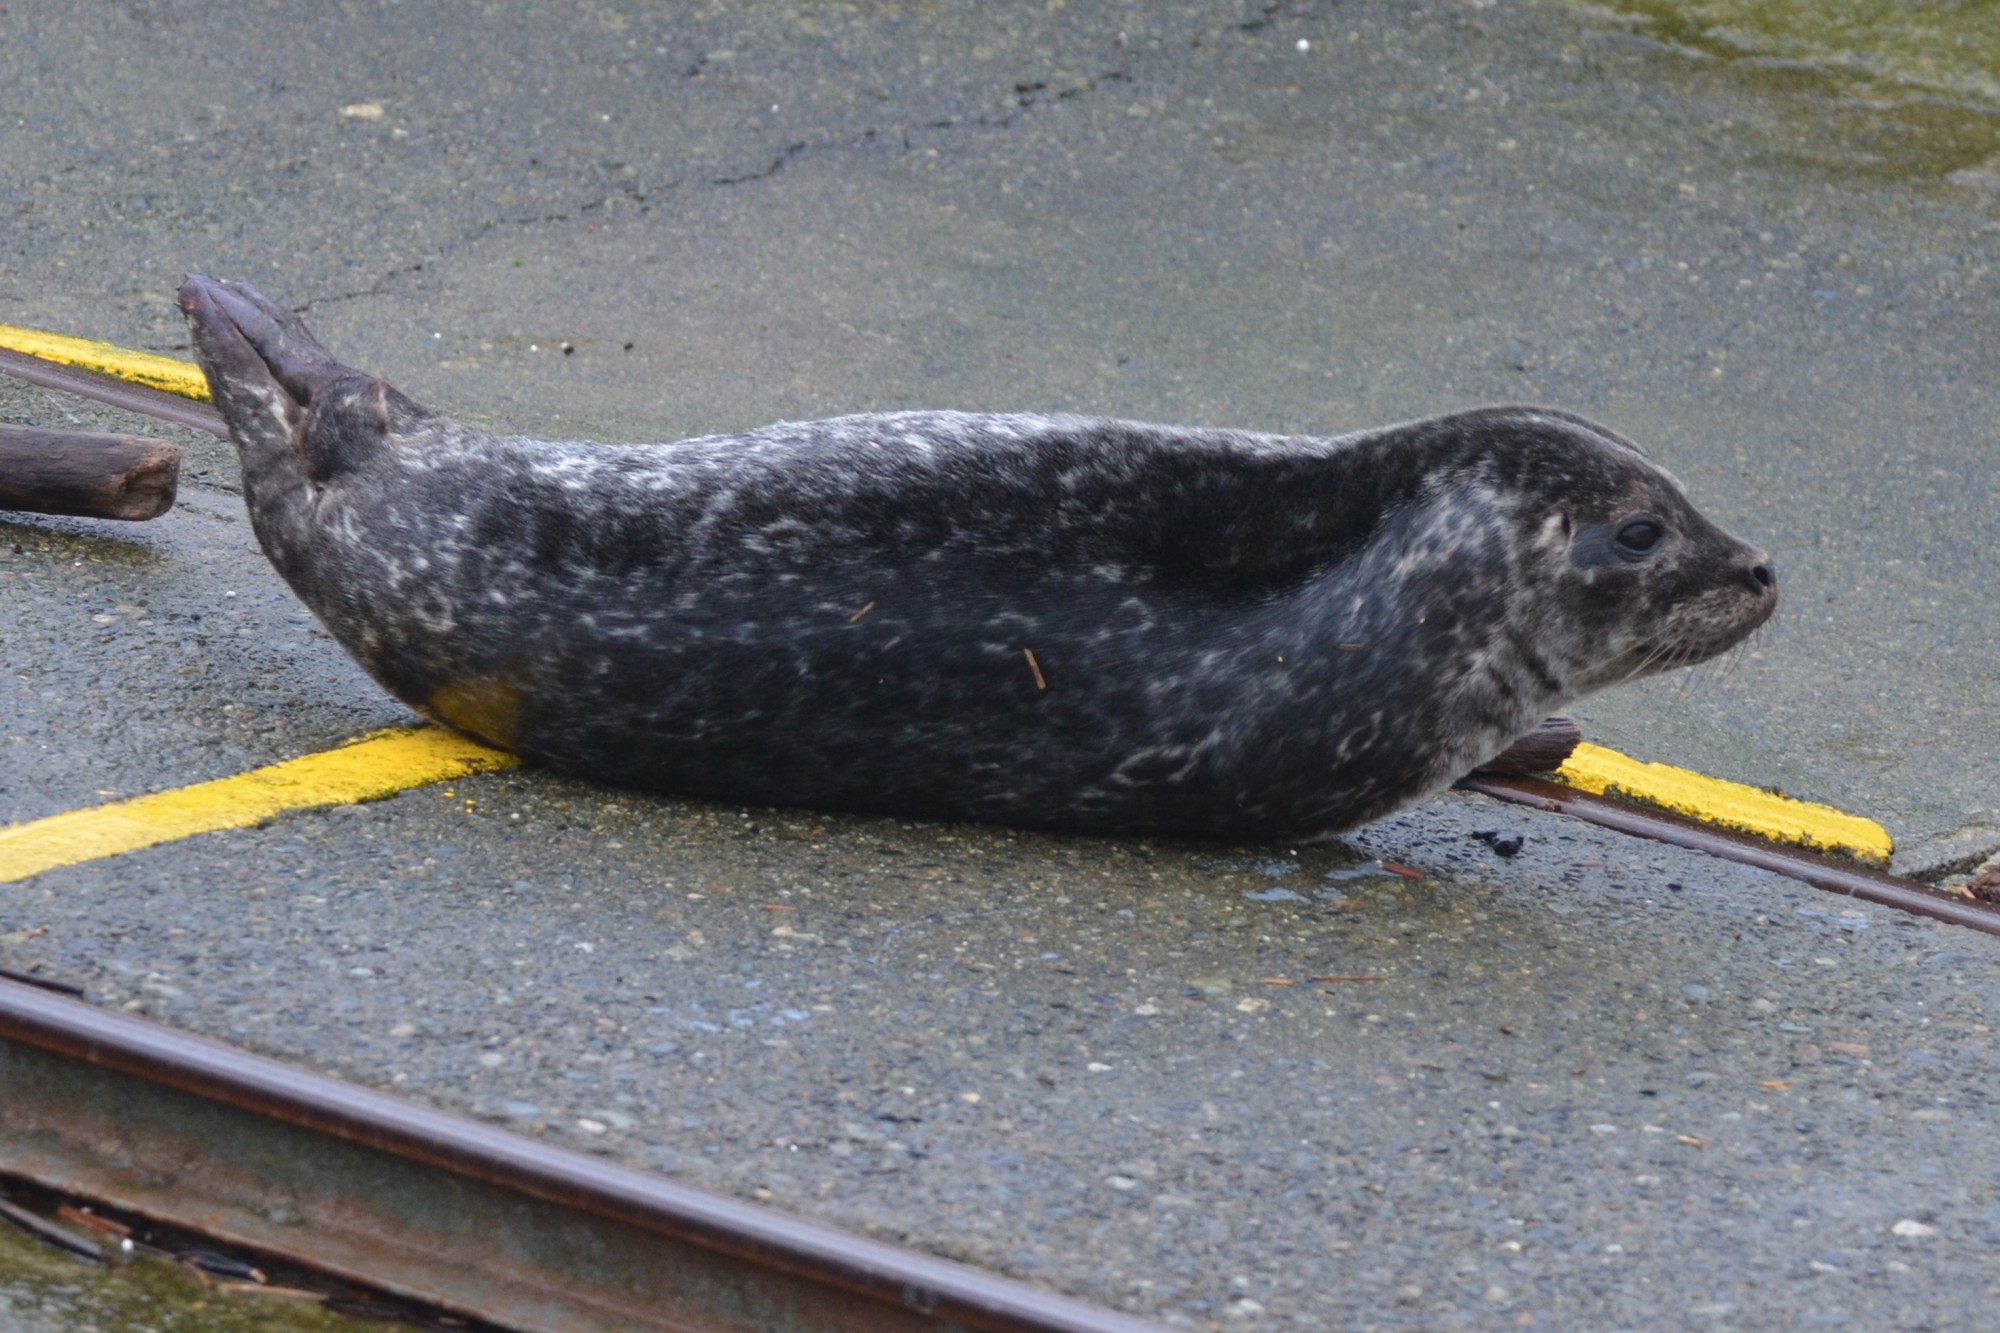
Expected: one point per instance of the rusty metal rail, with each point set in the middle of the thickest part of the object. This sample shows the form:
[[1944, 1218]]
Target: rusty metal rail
[[139, 398], [455, 1214], [1849, 880]]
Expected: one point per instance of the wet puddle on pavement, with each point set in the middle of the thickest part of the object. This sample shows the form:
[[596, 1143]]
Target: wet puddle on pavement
[[1915, 86]]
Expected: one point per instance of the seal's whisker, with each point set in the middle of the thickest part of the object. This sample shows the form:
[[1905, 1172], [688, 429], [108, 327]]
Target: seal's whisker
[[1700, 676], [1730, 664], [1649, 664]]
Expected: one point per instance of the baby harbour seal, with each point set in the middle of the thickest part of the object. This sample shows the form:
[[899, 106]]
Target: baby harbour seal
[[1050, 621]]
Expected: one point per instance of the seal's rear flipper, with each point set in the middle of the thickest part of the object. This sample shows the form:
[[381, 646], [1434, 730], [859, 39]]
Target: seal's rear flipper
[[283, 395], [250, 346], [277, 335]]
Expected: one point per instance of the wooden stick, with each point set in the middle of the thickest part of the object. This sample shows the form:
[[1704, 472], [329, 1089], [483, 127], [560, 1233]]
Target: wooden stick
[[85, 474]]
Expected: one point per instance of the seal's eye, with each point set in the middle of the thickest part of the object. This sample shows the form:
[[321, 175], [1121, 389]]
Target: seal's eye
[[1639, 537]]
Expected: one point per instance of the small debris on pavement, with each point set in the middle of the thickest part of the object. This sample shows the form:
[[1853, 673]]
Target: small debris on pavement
[[83, 1217], [1985, 882], [220, 1265], [262, 1289], [48, 1232]]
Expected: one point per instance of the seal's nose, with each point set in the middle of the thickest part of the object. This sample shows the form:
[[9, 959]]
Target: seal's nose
[[1765, 575]]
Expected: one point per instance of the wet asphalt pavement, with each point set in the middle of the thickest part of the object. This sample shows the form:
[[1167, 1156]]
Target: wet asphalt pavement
[[1601, 1084]]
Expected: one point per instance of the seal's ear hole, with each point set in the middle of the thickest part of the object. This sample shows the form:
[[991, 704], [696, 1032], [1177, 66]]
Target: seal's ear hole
[[1639, 537]]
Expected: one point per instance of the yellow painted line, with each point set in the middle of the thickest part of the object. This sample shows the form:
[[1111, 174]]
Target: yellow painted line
[[159, 372], [370, 768], [392, 761], [1728, 804]]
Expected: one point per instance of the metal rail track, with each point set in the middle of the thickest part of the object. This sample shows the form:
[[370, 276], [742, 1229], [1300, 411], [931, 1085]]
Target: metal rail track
[[448, 1212], [105, 389]]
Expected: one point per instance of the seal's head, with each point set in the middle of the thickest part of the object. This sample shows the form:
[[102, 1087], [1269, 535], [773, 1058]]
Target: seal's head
[[1631, 580]]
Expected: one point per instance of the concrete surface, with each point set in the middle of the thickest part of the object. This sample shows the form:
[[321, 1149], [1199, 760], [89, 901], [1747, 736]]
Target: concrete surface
[[739, 213]]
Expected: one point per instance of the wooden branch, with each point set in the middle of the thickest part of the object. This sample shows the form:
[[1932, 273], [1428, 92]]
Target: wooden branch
[[1540, 751], [85, 474]]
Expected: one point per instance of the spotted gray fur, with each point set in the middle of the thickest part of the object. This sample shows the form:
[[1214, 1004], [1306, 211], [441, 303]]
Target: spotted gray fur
[[1052, 621]]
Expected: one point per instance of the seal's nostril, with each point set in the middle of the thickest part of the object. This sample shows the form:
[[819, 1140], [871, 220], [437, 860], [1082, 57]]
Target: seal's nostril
[[1763, 575]]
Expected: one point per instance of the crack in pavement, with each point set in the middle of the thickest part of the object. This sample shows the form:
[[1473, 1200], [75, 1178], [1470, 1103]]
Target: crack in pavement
[[1029, 96], [779, 162]]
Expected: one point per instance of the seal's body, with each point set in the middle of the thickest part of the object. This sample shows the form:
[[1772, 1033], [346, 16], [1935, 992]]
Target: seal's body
[[1056, 622]]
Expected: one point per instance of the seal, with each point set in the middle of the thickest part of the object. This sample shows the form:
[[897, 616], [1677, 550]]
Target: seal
[[1048, 621]]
